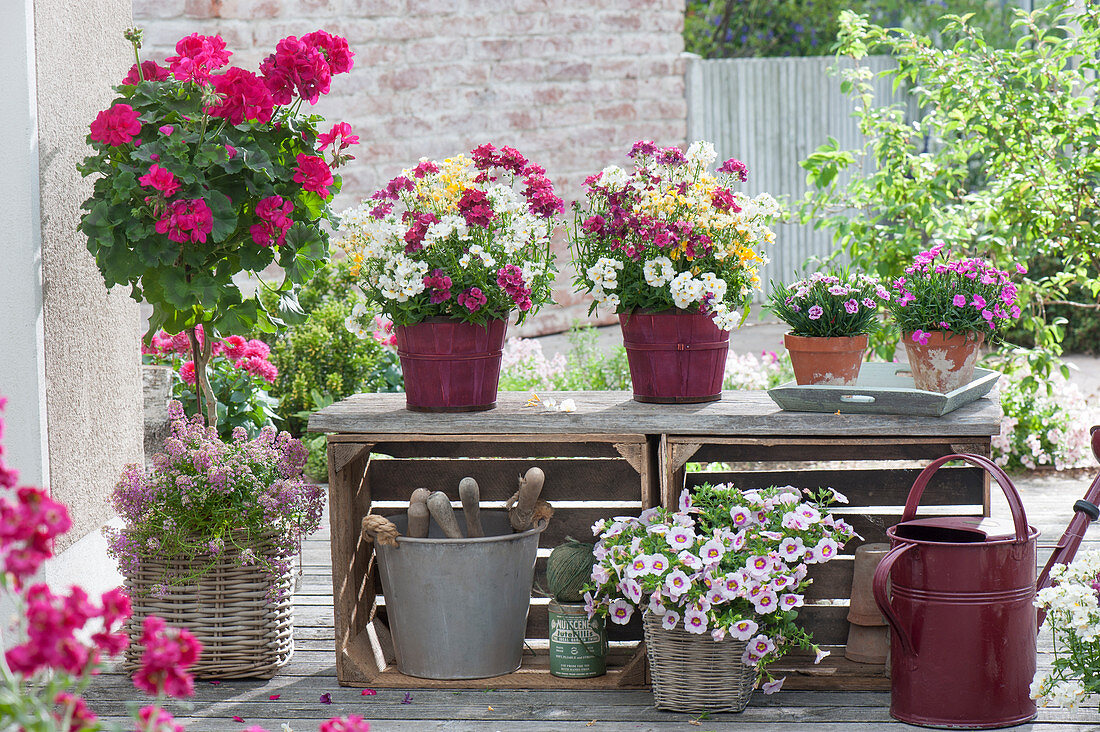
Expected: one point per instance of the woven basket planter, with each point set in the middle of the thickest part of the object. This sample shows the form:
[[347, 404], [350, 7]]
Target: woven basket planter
[[244, 633], [693, 673]]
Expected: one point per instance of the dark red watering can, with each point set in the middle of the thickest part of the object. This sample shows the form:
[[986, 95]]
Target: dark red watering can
[[963, 622]]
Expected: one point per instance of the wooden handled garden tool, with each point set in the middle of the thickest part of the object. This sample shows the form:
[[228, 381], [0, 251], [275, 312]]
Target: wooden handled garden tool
[[470, 495], [524, 507], [440, 507], [418, 513]]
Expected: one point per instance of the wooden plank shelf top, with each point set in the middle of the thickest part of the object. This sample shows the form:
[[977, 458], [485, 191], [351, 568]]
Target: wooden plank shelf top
[[737, 413]]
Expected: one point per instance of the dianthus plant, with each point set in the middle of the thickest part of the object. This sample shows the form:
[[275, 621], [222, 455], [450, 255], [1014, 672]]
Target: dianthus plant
[[240, 374], [202, 172], [1073, 616], [245, 499], [829, 306], [454, 239], [963, 296], [671, 234], [727, 562]]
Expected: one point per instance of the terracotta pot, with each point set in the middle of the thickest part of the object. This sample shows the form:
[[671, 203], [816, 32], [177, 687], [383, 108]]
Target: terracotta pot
[[830, 361], [946, 362], [450, 366], [675, 357]]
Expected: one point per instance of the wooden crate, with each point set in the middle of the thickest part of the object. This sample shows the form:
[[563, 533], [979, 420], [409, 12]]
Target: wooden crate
[[587, 479], [876, 499]]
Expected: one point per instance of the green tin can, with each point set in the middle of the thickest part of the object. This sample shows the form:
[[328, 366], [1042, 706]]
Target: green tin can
[[578, 646]]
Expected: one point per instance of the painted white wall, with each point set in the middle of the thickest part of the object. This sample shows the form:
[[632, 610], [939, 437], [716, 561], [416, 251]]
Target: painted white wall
[[22, 350]]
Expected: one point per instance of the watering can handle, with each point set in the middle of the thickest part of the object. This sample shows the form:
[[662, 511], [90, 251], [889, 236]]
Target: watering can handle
[[1015, 505], [878, 588]]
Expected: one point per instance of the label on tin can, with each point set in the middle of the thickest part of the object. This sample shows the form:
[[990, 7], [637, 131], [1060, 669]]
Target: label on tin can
[[578, 646]]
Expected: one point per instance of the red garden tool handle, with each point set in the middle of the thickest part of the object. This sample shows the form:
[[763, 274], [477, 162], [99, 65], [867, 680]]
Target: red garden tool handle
[[878, 587], [1015, 505]]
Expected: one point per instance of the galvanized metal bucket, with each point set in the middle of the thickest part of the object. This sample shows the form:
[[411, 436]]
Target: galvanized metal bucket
[[458, 607], [578, 645]]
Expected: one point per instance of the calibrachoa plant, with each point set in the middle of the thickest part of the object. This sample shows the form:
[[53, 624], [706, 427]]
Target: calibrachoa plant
[[963, 296], [1073, 616], [829, 306], [671, 234], [203, 171], [454, 239], [726, 562], [206, 497], [240, 374]]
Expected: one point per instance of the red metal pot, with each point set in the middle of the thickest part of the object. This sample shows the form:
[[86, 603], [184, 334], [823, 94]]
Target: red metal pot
[[963, 650], [450, 366], [675, 356]]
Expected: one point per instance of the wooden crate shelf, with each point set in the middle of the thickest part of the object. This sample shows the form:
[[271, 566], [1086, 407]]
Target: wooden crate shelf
[[614, 456]]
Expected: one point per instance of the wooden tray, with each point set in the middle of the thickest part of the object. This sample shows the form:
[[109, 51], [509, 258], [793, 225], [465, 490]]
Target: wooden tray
[[883, 388]]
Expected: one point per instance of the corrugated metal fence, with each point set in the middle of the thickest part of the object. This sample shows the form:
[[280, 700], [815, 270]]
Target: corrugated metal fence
[[772, 113]]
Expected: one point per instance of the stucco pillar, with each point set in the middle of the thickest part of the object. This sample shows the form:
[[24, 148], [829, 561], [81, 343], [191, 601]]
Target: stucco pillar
[[69, 363]]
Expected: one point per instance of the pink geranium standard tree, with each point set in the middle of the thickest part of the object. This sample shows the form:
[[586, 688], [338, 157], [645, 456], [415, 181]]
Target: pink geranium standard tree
[[204, 171]]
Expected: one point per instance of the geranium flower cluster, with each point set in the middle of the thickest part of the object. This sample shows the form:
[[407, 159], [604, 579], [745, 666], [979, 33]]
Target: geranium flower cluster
[[455, 239], [827, 305], [239, 370], [206, 497], [671, 234], [727, 562], [962, 296], [1073, 616]]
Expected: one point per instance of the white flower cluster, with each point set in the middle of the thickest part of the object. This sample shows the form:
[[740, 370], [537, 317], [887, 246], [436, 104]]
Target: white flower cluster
[[354, 322], [614, 177], [1073, 614], [403, 279], [658, 272], [604, 275]]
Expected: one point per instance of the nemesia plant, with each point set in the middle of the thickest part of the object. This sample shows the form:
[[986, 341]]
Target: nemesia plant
[[672, 234], [205, 498], [828, 305], [204, 170], [968, 296], [1073, 616], [454, 239], [726, 562], [240, 374]]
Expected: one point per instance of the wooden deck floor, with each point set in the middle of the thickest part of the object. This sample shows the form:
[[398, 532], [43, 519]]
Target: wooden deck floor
[[311, 673]]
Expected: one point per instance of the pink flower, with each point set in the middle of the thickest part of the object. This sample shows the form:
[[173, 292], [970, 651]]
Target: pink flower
[[475, 208], [115, 126], [978, 302], [340, 134], [724, 200], [472, 299], [244, 97], [155, 719], [198, 57], [1021, 269], [352, 723], [260, 367], [334, 48], [79, 715], [187, 372], [851, 307], [160, 179], [186, 220], [539, 192], [296, 66], [168, 653], [815, 312], [151, 70], [274, 214], [233, 347], [314, 174], [921, 337], [256, 347], [231, 151], [771, 687], [959, 301], [735, 168]]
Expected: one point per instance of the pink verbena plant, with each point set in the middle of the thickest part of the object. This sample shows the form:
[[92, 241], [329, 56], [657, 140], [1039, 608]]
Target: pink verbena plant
[[461, 242], [963, 296], [207, 497], [204, 170], [726, 562], [240, 375]]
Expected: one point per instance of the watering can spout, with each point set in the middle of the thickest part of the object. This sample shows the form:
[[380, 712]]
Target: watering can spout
[[1085, 511]]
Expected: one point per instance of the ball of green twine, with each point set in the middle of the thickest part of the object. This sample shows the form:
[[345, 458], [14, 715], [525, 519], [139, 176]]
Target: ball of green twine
[[568, 568]]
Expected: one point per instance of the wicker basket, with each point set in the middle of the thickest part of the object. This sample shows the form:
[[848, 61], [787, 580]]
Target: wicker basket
[[244, 634], [693, 673]]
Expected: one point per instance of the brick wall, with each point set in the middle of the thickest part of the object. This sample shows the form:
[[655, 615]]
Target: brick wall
[[570, 83]]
